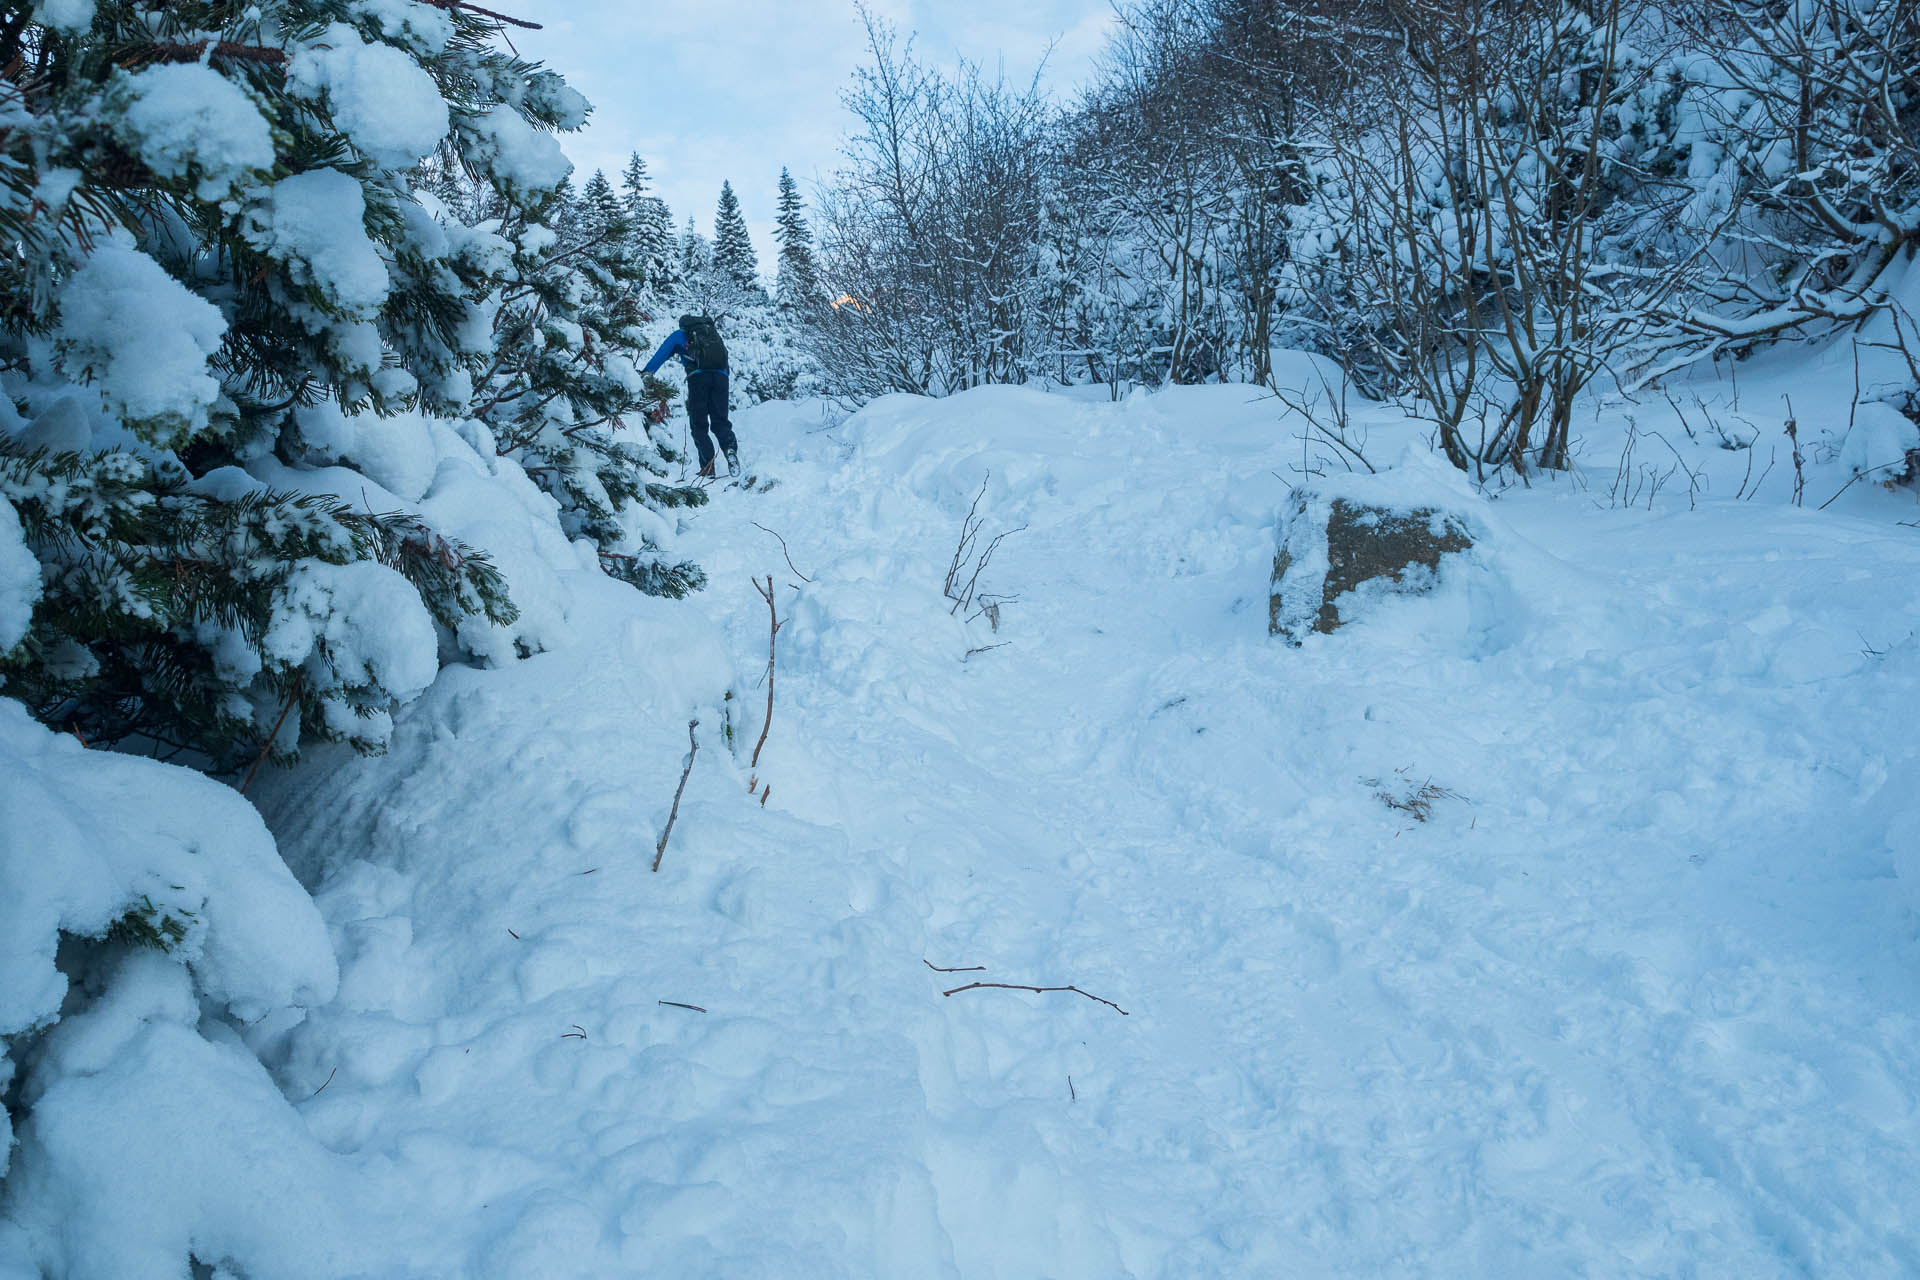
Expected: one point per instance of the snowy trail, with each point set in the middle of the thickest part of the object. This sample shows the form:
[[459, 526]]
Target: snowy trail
[[1633, 1004]]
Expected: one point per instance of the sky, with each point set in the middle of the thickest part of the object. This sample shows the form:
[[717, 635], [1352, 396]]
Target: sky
[[712, 90]]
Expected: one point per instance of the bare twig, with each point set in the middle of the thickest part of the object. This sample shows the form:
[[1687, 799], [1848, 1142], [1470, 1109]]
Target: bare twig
[[293, 696], [1694, 481], [783, 549], [578, 1033], [773, 636], [693, 749], [675, 1004], [969, 530], [1799, 473], [1015, 986], [324, 1083], [971, 968], [1857, 477]]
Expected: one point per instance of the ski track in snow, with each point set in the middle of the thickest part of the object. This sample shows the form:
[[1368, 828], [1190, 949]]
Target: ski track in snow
[[1635, 1001]]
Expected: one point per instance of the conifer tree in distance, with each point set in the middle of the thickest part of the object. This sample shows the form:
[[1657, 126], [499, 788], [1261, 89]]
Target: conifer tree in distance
[[651, 241], [797, 286], [732, 247], [696, 255], [600, 210]]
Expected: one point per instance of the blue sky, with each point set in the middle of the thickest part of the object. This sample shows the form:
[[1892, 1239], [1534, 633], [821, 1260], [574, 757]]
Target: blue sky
[[732, 89]]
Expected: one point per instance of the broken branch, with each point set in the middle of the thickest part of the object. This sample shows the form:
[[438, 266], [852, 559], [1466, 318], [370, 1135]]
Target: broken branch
[[1015, 986], [783, 549], [773, 635], [693, 749]]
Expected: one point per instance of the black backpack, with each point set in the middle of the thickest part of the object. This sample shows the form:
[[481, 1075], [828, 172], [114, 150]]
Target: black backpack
[[704, 347]]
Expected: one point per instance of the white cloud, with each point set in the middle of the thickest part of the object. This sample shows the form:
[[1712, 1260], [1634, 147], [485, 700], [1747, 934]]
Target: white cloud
[[733, 89]]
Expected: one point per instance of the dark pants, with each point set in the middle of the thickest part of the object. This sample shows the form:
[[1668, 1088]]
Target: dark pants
[[707, 404]]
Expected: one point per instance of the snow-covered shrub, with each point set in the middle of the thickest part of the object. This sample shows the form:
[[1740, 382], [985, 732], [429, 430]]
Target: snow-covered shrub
[[765, 347], [173, 609]]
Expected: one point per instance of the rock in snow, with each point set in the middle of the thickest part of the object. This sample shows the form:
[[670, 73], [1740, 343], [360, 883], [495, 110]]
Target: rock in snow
[[1347, 540]]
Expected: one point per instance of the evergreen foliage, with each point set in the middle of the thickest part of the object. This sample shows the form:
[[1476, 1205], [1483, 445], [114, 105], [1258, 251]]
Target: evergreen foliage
[[797, 285], [165, 615], [733, 254], [696, 255], [235, 232], [651, 241], [564, 396]]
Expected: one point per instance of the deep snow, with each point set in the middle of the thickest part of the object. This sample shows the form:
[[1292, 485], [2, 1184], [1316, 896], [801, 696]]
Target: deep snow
[[1635, 1000]]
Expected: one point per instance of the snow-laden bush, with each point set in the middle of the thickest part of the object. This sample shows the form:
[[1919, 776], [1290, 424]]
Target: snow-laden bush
[[563, 394]]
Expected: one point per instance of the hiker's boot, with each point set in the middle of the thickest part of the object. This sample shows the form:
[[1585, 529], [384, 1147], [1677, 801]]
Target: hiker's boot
[[706, 469], [733, 463]]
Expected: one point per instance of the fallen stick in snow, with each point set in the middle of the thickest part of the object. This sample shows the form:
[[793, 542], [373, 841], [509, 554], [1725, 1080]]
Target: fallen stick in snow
[[693, 749], [1015, 986], [675, 1004], [773, 636], [971, 968]]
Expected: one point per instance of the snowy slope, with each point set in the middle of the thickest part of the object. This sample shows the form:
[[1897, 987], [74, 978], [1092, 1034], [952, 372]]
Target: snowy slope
[[1635, 999]]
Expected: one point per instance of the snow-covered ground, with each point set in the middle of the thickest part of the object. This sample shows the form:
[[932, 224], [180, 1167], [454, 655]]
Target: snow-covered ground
[[1636, 998]]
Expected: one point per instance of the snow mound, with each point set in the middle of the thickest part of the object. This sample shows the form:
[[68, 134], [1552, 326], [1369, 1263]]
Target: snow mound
[[1881, 442], [150, 1131], [90, 835], [147, 1143]]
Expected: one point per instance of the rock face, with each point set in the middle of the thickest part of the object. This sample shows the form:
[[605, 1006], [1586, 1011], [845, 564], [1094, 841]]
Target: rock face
[[1338, 550]]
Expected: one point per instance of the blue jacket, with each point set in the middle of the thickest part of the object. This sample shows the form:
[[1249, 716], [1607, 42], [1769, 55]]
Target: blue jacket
[[676, 345]]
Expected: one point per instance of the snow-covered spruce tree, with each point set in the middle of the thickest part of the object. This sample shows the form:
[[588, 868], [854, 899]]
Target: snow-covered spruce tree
[[693, 252], [732, 246], [563, 394], [650, 242], [797, 283], [215, 255], [602, 220]]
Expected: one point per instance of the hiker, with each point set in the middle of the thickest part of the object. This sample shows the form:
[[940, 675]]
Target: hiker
[[697, 343]]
